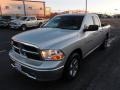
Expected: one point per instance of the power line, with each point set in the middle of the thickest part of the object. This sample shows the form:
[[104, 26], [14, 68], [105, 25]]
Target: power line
[[0, 10], [86, 6]]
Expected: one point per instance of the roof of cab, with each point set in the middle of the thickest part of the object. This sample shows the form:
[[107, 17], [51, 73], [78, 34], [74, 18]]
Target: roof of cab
[[83, 14]]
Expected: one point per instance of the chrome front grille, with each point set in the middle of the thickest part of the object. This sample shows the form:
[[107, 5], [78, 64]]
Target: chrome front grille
[[26, 50]]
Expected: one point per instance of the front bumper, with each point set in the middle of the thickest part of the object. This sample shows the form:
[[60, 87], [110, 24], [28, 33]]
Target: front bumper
[[15, 26], [37, 74]]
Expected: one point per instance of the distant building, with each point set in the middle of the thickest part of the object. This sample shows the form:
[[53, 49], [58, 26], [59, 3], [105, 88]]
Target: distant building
[[15, 7], [116, 16], [74, 11], [104, 16], [47, 11]]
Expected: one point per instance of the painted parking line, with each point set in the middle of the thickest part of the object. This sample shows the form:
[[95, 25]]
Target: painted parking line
[[2, 51], [111, 41]]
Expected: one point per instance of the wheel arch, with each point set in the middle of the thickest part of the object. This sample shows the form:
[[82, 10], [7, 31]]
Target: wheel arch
[[78, 50], [23, 25]]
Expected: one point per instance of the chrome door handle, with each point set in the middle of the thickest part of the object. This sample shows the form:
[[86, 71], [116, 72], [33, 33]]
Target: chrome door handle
[[89, 41]]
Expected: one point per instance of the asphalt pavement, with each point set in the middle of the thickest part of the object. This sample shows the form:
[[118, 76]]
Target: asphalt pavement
[[99, 71]]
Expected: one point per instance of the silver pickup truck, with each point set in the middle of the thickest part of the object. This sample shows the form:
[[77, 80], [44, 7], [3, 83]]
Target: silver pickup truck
[[56, 49], [25, 22]]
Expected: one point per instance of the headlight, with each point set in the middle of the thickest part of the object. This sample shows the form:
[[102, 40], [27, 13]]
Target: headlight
[[52, 55]]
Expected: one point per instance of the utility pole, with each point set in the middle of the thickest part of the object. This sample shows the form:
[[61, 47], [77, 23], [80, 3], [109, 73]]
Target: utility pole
[[24, 6], [86, 6], [0, 10]]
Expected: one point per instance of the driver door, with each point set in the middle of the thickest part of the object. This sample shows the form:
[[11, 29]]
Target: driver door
[[28, 22], [90, 37]]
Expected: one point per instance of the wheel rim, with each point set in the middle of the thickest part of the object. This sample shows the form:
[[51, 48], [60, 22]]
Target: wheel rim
[[23, 28], [74, 67]]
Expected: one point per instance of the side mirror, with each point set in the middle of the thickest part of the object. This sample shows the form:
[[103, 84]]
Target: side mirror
[[92, 28]]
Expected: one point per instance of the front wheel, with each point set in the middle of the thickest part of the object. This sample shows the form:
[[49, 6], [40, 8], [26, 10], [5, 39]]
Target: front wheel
[[72, 67], [23, 27]]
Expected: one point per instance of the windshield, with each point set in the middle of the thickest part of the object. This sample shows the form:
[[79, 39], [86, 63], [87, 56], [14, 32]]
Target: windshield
[[6, 17], [65, 22], [22, 18]]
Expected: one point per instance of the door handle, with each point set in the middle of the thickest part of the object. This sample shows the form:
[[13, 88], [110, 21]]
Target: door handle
[[89, 41]]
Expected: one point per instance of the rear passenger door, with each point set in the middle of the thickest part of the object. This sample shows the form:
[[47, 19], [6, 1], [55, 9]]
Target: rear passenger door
[[28, 22]]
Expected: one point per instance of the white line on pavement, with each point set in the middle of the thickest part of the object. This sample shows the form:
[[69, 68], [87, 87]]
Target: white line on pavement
[[2, 51], [112, 39]]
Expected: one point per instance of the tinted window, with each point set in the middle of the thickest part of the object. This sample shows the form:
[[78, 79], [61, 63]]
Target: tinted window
[[13, 17], [65, 22], [23, 18], [33, 18], [6, 17]]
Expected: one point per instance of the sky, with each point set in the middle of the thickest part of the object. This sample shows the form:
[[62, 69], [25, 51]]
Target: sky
[[104, 6]]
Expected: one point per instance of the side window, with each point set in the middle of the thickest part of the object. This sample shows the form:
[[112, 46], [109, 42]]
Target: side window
[[33, 18], [28, 19], [89, 21], [96, 20]]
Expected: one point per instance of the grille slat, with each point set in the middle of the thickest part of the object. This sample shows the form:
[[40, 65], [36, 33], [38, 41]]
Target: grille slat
[[17, 50], [30, 52], [25, 50], [30, 48]]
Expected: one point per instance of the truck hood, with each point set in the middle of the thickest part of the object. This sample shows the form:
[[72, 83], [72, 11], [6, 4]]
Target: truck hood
[[16, 21], [45, 37]]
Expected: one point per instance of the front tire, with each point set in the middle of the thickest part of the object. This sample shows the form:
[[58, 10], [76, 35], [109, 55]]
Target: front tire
[[23, 27], [72, 67]]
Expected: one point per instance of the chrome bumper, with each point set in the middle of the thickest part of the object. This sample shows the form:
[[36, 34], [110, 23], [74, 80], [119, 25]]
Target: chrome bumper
[[37, 74]]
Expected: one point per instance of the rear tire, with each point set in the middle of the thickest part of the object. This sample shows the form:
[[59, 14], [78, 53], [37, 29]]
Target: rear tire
[[105, 43], [72, 67]]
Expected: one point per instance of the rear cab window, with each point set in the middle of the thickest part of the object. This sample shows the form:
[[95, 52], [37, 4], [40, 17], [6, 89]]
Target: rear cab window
[[33, 18]]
